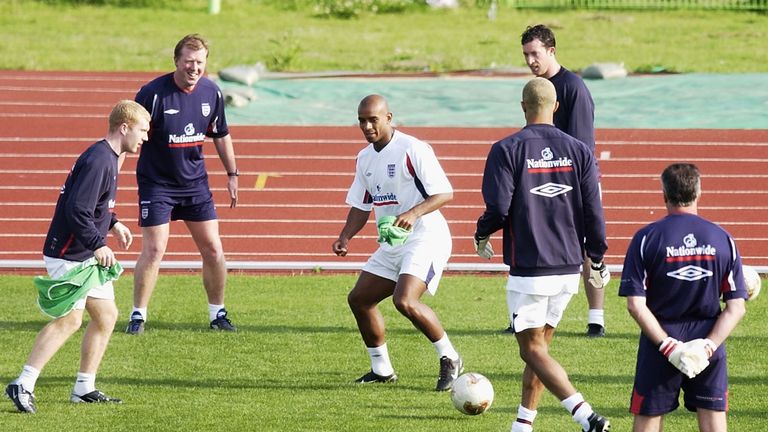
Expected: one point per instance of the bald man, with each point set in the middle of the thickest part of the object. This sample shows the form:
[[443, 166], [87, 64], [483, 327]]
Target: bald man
[[400, 179], [540, 188]]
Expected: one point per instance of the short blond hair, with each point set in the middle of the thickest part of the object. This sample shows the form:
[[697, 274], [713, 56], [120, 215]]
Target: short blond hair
[[128, 112], [539, 95]]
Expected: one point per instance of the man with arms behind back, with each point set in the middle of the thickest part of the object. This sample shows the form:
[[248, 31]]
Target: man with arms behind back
[[676, 272]]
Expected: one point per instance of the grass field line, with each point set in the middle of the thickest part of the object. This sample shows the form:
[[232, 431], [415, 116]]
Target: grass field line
[[249, 264]]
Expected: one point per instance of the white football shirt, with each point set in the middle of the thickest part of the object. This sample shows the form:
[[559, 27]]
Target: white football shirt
[[396, 179]]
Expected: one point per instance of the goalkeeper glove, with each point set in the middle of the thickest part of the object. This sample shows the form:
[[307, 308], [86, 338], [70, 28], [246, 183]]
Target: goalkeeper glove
[[483, 246], [599, 276], [672, 349], [697, 354]]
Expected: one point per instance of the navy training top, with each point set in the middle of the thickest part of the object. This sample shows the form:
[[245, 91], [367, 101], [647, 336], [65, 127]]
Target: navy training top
[[540, 187], [683, 264], [83, 214], [172, 159], [576, 115]]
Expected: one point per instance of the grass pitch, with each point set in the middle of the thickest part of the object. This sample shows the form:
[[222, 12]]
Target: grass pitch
[[290, 366], [51, 35]]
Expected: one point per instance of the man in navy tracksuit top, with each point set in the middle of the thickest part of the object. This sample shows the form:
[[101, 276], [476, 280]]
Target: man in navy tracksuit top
[[676, 272], [576, 117], [540, 188], [186, 107], [77, 233]]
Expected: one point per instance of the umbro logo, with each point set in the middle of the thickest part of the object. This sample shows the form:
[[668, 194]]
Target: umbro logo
[[690, 273], [171, 111], [551, 190]]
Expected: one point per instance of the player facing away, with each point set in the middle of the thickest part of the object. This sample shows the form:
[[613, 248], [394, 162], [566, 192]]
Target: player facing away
[[540, 187], [77, 234], [398, 176], [186, 107], [676, 272], [576, 117]]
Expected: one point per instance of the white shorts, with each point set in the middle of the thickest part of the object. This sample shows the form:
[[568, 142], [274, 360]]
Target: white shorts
[[421, 258], [534, 302], [58, 267]]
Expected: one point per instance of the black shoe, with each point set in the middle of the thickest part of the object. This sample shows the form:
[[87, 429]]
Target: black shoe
[[449, 371], [510, 329], [595, 330], [23, 399], [135, 325], [222, 322], [372, 377], [598, 423], [94, 397]]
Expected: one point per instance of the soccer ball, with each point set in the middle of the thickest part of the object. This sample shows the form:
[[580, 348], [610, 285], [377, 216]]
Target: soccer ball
[[472, 393], [752, 281]]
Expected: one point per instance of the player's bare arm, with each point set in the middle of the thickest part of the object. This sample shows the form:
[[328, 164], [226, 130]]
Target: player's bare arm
[[356, 220], [434, 202], [648, 323], [226, 152], [733, 313]]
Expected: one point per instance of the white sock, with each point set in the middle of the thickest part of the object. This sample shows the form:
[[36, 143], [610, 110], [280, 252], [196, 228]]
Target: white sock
[[142, 312], [444, 348], [213, 311], [579, 408], [595, 316], [28, 378], [524, 421], [84, 384], [380, 363]]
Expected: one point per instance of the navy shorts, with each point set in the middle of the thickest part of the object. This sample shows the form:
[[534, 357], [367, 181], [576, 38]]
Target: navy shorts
[[658, 383], [159, 209]]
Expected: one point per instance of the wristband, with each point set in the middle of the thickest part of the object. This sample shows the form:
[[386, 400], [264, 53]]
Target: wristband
[[236, 173]]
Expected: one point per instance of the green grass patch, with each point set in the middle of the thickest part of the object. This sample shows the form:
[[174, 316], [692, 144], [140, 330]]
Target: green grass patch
[[291, 364], [297, 36]]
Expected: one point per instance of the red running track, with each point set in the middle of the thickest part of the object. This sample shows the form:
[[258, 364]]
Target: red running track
[[294, 179]]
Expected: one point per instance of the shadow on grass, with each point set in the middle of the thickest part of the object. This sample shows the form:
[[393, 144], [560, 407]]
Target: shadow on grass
[[23, 325], [310, 382]]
